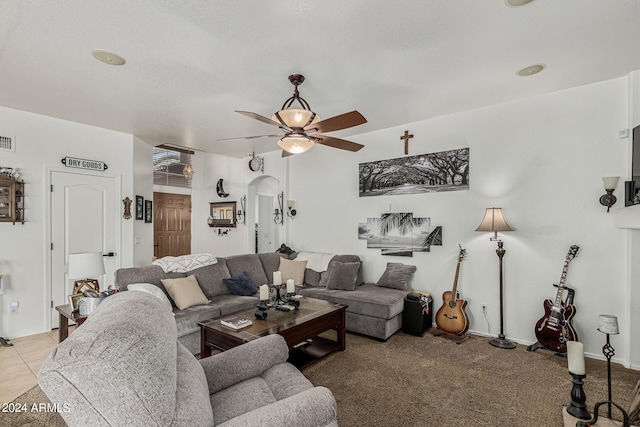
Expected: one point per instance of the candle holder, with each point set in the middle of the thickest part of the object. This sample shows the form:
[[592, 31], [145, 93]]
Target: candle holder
[[577, 408], [609, 326], [279, 299]]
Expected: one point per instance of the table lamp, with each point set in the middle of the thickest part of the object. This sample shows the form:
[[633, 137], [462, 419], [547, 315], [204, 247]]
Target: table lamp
[[84, 266]]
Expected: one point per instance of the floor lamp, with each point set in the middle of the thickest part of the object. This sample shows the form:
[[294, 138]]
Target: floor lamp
[[494, 221]]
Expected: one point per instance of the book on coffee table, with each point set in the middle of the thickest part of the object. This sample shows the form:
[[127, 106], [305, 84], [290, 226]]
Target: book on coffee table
[[236, 322]]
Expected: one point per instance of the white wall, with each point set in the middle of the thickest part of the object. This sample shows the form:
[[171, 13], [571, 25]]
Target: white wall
[[236, 179], [541, 160], [41, 142], [142, 164]]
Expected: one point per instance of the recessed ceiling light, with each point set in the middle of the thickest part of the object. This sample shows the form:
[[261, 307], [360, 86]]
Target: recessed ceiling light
[[531, 70], [516, 3], [108, 57]]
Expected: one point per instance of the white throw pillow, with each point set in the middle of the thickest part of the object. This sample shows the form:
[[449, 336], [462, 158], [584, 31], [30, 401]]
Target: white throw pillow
[[153, 290], [292, 270]]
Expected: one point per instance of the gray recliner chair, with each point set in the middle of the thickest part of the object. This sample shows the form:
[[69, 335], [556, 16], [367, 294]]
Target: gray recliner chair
[[124, 366]]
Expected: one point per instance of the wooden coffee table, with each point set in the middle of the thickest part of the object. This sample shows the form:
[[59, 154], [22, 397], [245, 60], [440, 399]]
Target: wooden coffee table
[[300, 329]]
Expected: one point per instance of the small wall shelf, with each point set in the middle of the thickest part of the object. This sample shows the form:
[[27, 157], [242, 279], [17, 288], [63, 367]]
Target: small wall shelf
[[11, 200]]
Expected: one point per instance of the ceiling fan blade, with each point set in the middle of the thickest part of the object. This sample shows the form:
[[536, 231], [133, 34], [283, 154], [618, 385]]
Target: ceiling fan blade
[[250, 137], [342, 144], [343, 121], [263, 119]]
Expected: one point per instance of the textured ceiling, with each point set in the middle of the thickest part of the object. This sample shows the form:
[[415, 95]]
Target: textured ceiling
[[190, 64]]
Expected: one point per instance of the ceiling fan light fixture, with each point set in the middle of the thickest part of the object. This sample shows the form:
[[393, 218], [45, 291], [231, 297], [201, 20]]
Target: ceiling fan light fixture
[[296, 117], [295, 144]]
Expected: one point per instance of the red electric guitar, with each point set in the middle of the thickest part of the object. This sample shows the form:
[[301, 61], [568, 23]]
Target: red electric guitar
[[554, 329]]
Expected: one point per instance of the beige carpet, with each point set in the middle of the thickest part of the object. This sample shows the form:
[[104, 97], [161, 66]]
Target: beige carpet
[[431, 381]]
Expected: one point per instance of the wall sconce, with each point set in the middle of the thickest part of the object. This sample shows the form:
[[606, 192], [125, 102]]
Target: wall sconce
[[279, 212], [291, 212], [609, 199], [240, 214]]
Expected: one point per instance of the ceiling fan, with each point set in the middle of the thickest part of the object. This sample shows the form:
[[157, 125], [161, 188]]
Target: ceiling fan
[[302, 127]]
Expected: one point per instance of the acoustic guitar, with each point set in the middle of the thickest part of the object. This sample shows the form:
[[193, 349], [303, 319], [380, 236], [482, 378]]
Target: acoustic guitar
[[554, 329], [451, 317]]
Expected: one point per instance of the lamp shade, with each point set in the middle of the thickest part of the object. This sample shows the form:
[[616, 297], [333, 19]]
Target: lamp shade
[[85, 265], [608, 324], [610, 182], [493, 221], [295, 144], [295, 117]]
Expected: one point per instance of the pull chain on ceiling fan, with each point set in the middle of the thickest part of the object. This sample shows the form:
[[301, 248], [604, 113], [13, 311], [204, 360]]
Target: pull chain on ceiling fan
[[302, 127]]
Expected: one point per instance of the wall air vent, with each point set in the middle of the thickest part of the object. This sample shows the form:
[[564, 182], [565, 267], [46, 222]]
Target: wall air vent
[[7, 143]]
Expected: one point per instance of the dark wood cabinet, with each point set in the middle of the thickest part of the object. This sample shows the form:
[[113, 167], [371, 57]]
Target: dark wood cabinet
[[11, 200]]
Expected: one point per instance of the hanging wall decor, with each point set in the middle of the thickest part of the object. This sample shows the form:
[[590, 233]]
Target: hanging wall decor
[[423, 173], [400, 234], [139, 207], [148, 211], [127, 208]]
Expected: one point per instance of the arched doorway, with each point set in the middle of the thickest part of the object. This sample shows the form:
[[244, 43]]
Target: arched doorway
[[261, 202]]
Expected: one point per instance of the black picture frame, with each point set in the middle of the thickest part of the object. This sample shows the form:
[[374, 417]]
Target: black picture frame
[[139, 207], [148, 211]]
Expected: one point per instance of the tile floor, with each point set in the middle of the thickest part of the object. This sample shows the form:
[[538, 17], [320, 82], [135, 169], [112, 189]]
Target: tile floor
[[19, 364]]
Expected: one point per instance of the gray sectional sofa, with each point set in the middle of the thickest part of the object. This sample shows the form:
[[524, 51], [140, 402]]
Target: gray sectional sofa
[[372, 310], [124, 367]]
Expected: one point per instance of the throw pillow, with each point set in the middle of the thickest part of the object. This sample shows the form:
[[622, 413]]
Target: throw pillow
[[397, 276], [241, 285], [343, 276], [292, 270], [185, 292], [151, 289]]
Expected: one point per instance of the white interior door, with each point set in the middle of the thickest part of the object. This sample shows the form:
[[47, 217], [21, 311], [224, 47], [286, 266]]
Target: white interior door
[[84, 215], [266, 226]]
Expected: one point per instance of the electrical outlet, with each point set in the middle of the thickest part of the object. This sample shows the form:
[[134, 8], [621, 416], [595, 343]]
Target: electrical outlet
[[13, 306]]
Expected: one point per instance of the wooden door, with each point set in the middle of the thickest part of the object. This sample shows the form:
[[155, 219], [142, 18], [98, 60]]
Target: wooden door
[[84, 218], [172, 224]]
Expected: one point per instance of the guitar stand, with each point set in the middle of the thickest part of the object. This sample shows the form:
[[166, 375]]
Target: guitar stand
[[570, 295], [463, 336]]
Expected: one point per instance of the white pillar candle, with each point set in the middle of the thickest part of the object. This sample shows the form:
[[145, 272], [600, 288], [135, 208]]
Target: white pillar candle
[[277, 278], [264, 292], [575, 357], [291, 287]]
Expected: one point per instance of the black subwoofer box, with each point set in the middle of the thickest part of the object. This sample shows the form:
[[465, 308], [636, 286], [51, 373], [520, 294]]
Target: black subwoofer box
[[417, 316]]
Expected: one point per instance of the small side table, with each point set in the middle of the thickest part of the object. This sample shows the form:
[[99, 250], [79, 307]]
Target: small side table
[[65, 315]]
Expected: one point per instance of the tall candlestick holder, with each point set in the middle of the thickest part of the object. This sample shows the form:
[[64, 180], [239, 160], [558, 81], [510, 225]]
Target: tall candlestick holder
[[279, 299], [577, 407], [609, 326]]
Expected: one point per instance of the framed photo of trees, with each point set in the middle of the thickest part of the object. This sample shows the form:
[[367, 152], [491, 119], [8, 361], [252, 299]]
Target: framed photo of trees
[[423, 173]]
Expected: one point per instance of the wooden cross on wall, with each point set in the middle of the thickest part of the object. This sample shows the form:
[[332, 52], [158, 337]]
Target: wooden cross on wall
[[406, 138]]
